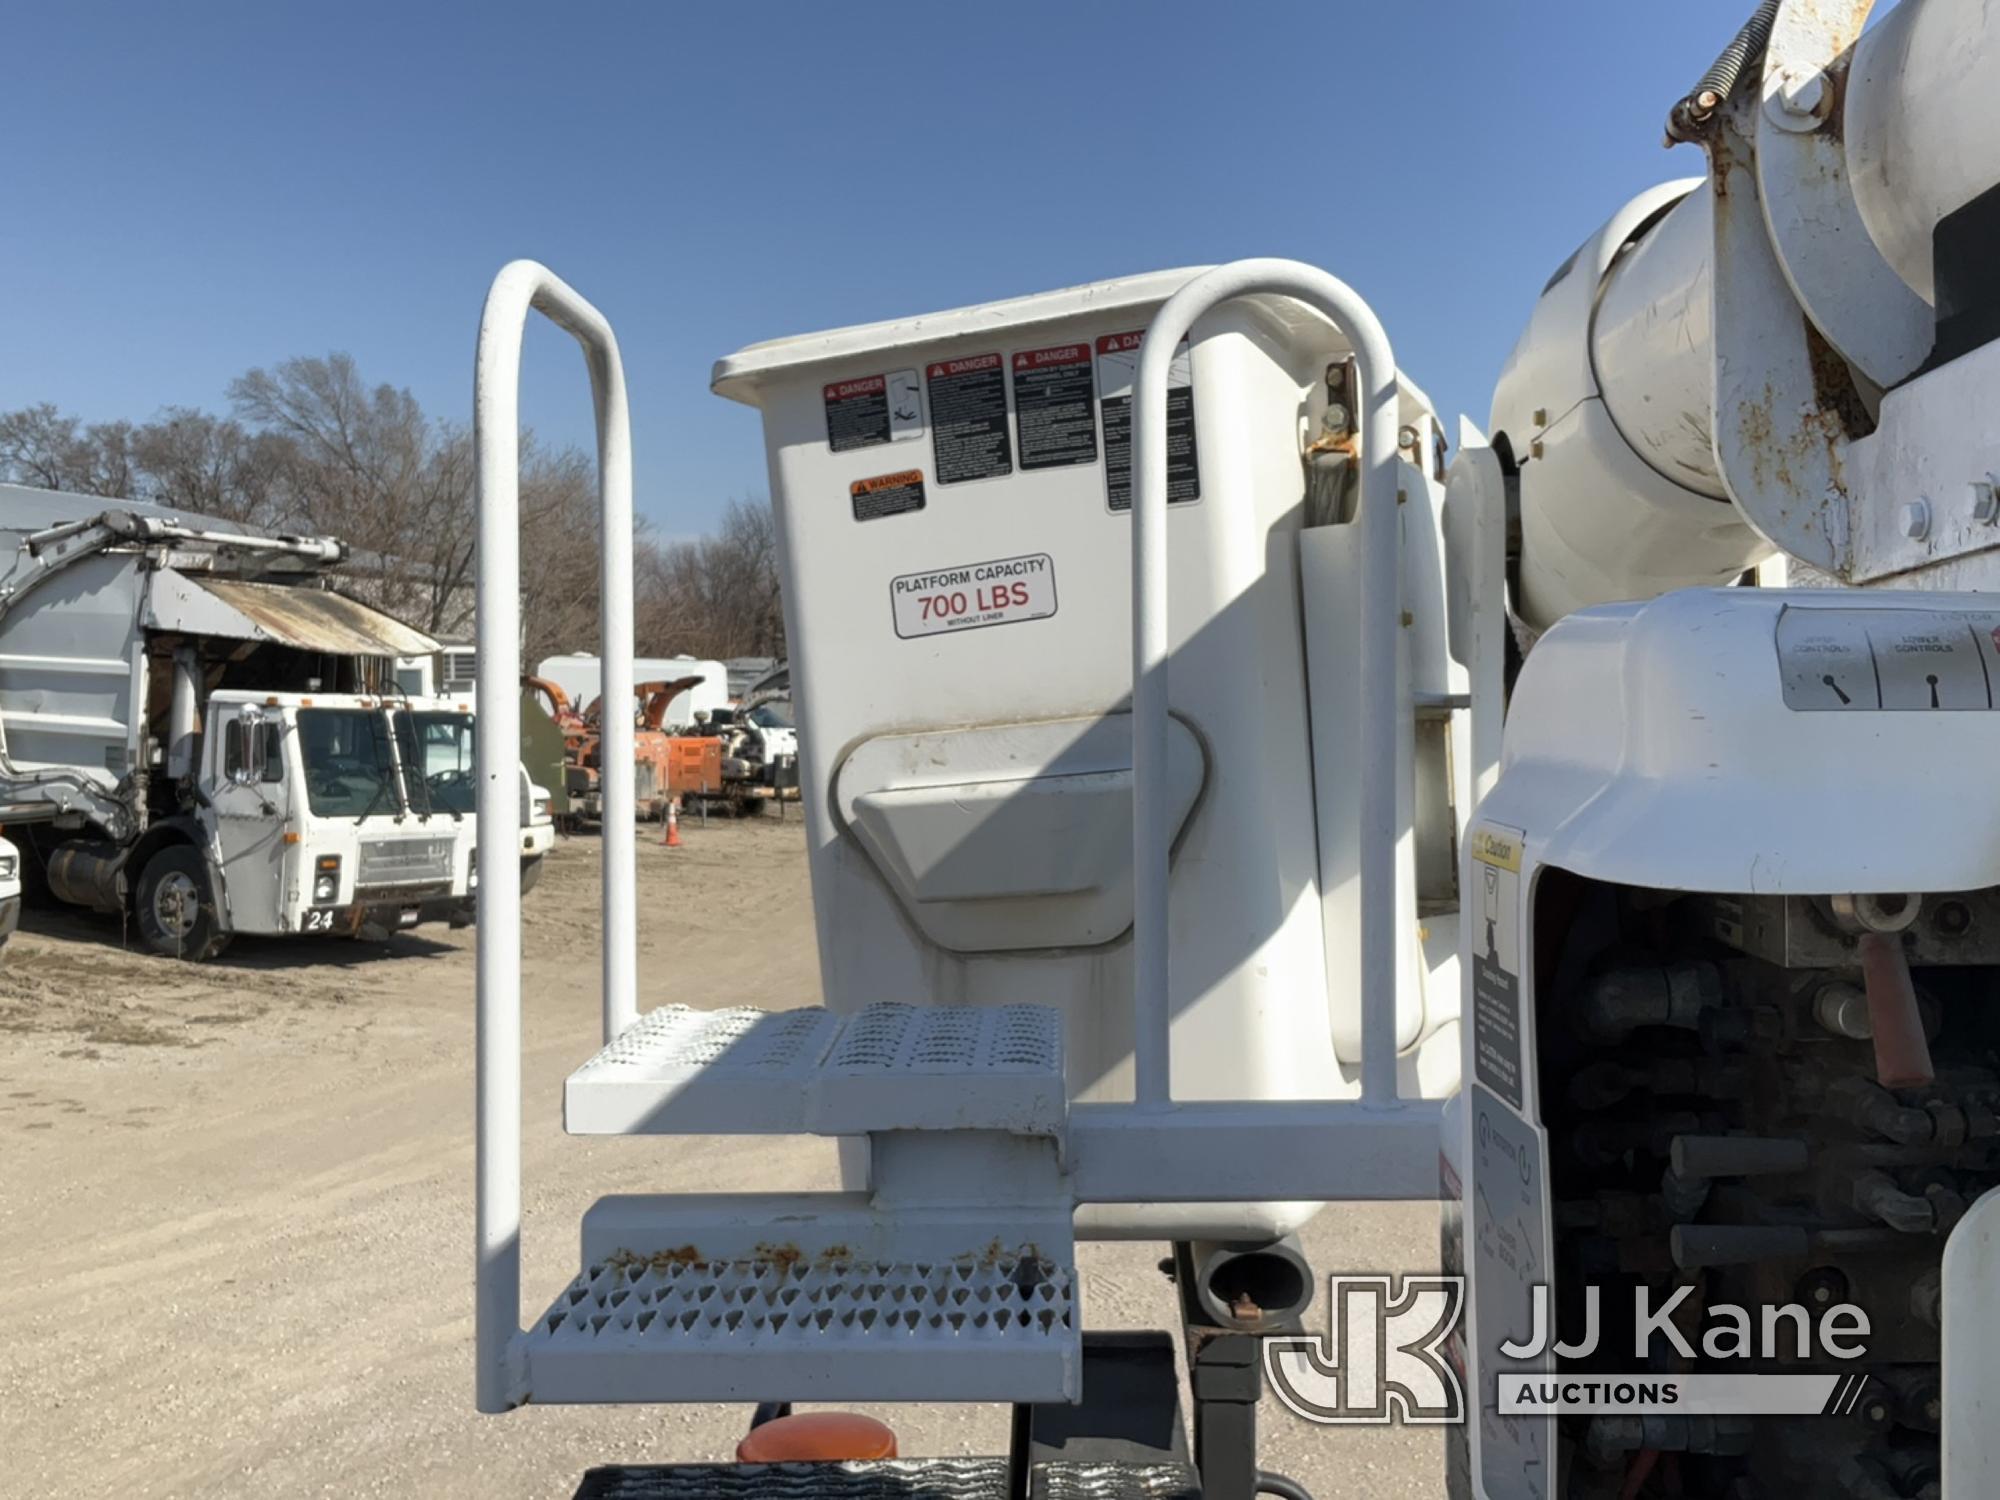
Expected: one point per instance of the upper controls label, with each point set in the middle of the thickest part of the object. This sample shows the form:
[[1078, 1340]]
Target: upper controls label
[[1888, 660]]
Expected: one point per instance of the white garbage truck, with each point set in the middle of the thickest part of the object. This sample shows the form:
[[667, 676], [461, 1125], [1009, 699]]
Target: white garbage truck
[[199, 735], [1203, 780]]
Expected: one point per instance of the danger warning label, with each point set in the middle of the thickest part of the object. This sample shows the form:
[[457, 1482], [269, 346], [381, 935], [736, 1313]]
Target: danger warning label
[[1054, 406], [969, 596], [872, 409], [969, 418], [887, 495], [1117, 374]]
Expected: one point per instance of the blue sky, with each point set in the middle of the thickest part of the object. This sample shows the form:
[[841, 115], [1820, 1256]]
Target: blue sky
[[199, 188]]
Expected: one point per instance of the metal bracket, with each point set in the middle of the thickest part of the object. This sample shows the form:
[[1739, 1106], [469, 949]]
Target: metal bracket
[[1926, 476], [1779, 440], [1824, 249], [1226, 1381]]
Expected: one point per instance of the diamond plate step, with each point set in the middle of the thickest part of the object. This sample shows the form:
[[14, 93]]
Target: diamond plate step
[[679, 1071], [811, 1297], [890, 1479]]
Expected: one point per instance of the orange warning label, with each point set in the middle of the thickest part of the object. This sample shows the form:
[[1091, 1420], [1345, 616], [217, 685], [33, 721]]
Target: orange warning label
[[887, 495]]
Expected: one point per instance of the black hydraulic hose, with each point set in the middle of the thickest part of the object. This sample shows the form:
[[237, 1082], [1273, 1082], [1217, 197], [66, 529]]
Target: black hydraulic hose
[[1687, 119], [1277, 1484]]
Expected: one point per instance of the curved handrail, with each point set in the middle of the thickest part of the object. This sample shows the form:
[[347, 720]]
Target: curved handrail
[[523, 286], [1381, 610]]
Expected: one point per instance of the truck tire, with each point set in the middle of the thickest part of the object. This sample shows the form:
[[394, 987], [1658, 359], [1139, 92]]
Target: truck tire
[[174, 907], [531, 873]]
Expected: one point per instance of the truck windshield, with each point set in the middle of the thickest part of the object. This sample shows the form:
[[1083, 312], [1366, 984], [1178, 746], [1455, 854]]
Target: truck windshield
[[772, 715], [349, 766], [437, 751]]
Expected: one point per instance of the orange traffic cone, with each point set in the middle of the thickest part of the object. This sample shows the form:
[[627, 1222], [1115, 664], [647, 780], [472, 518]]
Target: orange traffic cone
[[673, 838]]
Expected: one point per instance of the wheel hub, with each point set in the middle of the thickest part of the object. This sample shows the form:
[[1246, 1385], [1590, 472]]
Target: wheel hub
[[176, 904]]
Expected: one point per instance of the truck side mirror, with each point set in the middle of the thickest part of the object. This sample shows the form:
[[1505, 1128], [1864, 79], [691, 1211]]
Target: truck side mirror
[[246, 766]]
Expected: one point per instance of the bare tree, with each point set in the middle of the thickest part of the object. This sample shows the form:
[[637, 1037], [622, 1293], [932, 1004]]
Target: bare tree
[[716, 597], [41, 446], [357, 454], [35, 446], [314, 448], [366, 465], [194, 461]]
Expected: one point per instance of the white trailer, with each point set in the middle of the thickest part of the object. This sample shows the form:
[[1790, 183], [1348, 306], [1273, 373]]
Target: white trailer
[[193, 731]]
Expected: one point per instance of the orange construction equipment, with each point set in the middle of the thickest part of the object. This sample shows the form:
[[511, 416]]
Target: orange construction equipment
[[670, 765], [666, 766], [579, 735], [573, 724]]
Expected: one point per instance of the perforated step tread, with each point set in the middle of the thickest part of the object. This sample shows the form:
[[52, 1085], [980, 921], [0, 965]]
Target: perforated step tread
[[788, 1325], [679, 1071]]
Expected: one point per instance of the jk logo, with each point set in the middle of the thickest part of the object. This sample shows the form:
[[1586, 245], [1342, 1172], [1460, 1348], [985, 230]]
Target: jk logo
[[1382, 1360]]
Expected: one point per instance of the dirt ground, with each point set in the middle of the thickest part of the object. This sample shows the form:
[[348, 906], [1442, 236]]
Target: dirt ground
[[236, 1203]]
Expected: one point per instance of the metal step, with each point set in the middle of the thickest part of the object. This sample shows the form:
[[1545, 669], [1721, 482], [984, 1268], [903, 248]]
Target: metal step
[[811, 1297], [679, 1071], [883, 1479], [890, 1479]]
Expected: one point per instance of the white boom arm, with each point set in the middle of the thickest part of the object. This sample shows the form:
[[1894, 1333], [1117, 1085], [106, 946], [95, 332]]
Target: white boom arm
[[1789, 353]]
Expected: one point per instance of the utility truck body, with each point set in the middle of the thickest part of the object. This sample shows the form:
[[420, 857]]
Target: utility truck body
[[1150, 664], [191, 733], [958, 597], [1731, 1035], [1106, 951]]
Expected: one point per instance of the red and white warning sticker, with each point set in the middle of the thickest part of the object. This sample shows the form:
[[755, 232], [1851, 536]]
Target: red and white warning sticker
[[873, 409], [1117, 375], [970, 596]]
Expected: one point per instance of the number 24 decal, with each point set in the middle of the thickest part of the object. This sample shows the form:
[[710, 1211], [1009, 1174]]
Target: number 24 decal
[[319, 921]]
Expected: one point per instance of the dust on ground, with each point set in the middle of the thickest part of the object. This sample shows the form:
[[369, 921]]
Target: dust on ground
[[236, 1201]]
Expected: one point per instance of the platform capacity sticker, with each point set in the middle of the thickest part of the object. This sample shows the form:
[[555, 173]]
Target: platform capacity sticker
[[1117, 374], [872, 409], [969, 418], [1055, 406], [1006, 591], [887, 495]]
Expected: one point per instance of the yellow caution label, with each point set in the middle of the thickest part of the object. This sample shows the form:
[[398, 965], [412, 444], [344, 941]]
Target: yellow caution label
[[1497, 846]]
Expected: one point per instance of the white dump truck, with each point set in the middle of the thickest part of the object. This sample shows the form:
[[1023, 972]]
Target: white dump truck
[[198, 733]]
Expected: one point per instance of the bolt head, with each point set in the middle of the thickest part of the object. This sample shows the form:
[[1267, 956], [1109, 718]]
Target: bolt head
[[1985, 501], [1803, 95], [1799, 102], [1914, 520]]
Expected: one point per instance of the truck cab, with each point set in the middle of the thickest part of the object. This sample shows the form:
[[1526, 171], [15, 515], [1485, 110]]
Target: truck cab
[[323, 813]]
